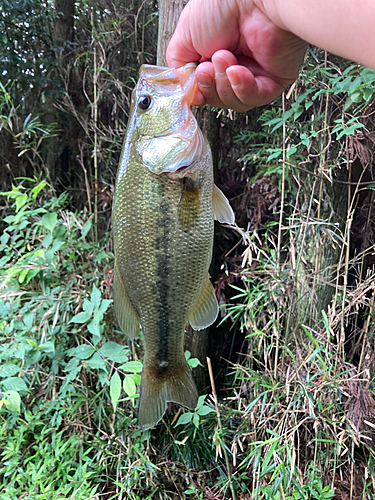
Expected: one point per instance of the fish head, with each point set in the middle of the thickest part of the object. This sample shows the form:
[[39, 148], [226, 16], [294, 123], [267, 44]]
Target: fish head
[[168, 138]]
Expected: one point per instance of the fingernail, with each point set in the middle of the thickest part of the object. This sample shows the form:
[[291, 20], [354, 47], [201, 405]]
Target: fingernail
[[233, 78], [219, 66], [203, 80]]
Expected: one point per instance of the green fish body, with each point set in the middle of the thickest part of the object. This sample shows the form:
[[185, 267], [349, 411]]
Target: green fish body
[[163, 215]]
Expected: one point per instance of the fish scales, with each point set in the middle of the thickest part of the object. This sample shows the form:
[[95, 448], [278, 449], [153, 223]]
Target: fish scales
[[163, 234]]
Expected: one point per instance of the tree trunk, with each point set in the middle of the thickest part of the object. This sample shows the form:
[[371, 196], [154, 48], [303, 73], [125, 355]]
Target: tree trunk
[[64, 24], [57, 160], [169, 12]]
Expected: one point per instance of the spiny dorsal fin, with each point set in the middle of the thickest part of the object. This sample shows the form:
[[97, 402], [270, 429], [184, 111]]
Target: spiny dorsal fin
[[220, 205], [127, 317], [206, 309]]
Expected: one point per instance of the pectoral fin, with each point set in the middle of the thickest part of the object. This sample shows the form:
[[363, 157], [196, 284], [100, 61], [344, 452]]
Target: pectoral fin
[[189, 207], [206, 309], [220, 205], [127, 317]]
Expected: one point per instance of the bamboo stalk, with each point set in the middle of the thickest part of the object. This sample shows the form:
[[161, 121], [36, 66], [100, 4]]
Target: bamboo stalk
[[279, 236], [229, 472], [95, 105]]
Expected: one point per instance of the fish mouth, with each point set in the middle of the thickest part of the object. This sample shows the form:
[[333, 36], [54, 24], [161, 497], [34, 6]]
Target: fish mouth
[[163, 77]]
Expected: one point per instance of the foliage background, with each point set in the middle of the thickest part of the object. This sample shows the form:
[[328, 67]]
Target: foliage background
[[293, 355]]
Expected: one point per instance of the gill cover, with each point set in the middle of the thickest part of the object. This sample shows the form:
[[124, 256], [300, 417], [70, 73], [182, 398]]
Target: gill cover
[[169, 137]]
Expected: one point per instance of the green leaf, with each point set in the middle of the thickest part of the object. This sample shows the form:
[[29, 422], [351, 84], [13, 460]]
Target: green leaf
[[185, 418], [194, 362], [105, 303], [132, 367], [298, 110], [4, 238], [357, 96], [136, 377], [114, 352], [28, 320], [196, 420], [49, 221], [88, 307], [20, 201], [95, 297], [95, 329], [278, 120], [8, 370], [14, 384], [115, 389], [350, 130], [48, 347], [368, 92], [129, 386], [291, 151], [348, 103], [22, 275], [32, 343], [83, 351], [40, 253], [86, 228], [205, 410], [278, 152], [13, 399], [47, 240], [200, 401], [35, 191], [96, 362], [81, 317]]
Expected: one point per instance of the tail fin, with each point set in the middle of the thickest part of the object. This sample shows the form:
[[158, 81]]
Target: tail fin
[[175, 385]]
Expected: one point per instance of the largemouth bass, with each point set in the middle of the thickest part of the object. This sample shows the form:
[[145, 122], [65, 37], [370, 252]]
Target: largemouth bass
[[164, 207]]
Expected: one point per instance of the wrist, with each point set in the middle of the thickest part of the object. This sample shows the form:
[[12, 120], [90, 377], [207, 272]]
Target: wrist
[[271, 9]]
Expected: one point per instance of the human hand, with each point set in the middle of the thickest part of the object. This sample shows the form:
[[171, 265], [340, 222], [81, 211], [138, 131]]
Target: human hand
[[246, 60]]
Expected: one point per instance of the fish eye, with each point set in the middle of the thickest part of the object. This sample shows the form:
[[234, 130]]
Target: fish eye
[[144, 102]]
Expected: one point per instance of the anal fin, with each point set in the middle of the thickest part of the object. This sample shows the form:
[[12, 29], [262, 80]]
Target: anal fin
[[126, 315], [206, 309], [221, 208]]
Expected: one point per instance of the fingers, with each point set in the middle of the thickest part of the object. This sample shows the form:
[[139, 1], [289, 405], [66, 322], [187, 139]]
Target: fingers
[[181, 50], [223, 83]]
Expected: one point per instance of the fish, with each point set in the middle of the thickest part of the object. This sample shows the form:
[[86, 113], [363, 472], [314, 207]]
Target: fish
[[164, 207]]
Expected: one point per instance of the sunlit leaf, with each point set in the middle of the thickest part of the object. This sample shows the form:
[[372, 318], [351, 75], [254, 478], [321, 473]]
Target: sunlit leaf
[[129, 386], [185, 418], [115, 389], [49, 221], [13, 399]]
